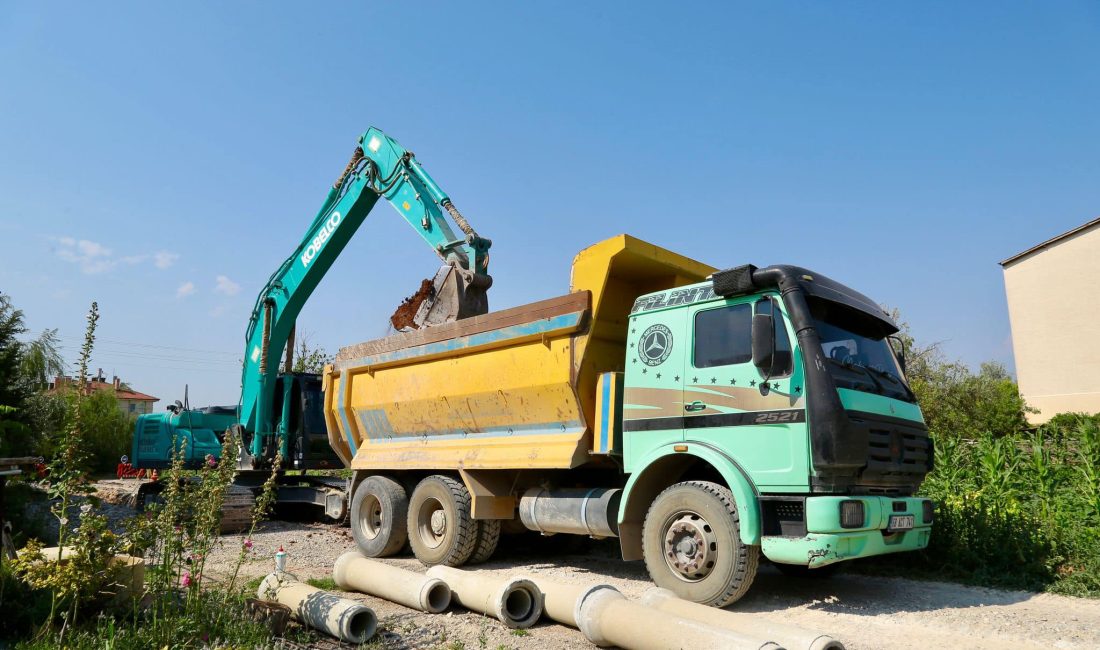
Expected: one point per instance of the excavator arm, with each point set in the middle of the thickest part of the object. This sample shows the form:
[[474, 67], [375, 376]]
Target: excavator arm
[[380, 168]]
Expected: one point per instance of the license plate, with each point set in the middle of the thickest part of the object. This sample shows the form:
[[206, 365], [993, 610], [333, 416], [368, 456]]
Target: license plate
[[901, 522]]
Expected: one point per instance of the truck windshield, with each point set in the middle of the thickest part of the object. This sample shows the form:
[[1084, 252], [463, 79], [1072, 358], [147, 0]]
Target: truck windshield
[[860, 361]]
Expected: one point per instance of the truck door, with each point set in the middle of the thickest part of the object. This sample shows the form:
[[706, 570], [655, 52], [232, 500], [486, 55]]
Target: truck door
[[757, 420], [653, 397]]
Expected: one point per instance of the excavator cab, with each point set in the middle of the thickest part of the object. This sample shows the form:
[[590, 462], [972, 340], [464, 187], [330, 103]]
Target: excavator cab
[[307, 436]]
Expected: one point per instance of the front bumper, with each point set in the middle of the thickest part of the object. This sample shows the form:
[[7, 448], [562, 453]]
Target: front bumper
[[827, 542]]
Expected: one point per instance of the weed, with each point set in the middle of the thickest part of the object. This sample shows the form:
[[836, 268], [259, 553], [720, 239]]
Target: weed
[[326, 583], [520, 633]]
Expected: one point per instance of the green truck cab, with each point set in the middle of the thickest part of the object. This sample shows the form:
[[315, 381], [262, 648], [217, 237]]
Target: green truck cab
[[784, 383]]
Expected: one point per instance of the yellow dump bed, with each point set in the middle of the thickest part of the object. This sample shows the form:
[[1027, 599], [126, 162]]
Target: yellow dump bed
[[510, 389]]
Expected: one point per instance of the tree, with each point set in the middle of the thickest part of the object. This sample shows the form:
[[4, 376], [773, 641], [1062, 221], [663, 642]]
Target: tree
[[307, 358], [41, 360], [107, 431], [15, 435], [955, 400]]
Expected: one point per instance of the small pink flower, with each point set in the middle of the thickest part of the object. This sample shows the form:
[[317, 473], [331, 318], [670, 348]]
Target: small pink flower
[[186, 579], [211, 461], [248, 545]]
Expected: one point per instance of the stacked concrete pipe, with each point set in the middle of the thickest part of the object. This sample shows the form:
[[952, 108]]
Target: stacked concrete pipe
[[344, 619], [516, 602], [353, 572], [607, 618], [788, 636]]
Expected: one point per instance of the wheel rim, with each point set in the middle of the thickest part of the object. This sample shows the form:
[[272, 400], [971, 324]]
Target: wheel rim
[[370, 522], [690, 546], [431, 522]]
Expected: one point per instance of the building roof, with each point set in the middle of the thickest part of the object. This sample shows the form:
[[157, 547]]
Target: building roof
[[122, 393], [97, 384], [1052, 241]]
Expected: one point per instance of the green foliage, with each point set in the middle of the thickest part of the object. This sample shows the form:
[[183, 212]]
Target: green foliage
[[956, 401], [40, 360], [74, 603], [308, 358], [1018, 510], [108, 431], [16, 437], [326, 583], [1017, 506]]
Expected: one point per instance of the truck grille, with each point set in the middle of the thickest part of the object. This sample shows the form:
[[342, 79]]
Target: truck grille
[[899, 454], [893, 451]]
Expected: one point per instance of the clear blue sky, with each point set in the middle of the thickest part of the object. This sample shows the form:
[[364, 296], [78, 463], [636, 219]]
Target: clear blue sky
[[163, 158]]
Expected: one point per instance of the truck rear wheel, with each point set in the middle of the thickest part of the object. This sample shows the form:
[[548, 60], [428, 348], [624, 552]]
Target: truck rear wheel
[[488, 535], [692, 544], [441, 528], [379, 514]]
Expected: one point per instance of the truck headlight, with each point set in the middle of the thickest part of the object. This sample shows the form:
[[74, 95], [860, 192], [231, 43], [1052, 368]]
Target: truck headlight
[[851, 514]]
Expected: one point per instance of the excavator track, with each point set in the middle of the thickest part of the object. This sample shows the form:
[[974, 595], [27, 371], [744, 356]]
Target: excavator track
[[237, 509]]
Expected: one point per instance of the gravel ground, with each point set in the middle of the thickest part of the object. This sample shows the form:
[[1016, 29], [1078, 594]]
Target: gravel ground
[[864, 612]]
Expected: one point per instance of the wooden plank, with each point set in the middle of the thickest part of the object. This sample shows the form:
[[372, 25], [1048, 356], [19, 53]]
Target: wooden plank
[[567, 304]]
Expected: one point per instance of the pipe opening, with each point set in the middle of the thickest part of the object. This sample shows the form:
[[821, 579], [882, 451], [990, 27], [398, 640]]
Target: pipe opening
[[438, 597], [518, 604], [361, 625]]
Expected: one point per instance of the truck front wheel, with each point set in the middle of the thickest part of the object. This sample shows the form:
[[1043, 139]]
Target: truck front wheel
[[441, 527], [379, 509], [692, 544]]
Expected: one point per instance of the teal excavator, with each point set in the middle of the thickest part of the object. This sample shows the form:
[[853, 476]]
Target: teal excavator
[[280, 415]]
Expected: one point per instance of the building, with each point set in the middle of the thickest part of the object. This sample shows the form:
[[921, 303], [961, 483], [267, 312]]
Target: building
[[129, 400], [1053, 292]]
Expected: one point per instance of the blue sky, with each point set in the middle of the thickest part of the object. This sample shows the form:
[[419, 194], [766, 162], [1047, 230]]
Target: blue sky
[[163, 158]]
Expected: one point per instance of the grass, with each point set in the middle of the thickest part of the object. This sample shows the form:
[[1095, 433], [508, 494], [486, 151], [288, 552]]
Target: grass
[[1017, 511], [325, 584]]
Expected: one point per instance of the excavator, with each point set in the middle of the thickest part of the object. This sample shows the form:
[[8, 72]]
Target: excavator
[[280, 417]]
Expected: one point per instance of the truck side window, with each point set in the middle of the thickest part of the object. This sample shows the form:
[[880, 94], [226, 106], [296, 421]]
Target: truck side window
[[783, 355], [723, 336]]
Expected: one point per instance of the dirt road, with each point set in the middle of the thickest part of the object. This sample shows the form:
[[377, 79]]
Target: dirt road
[[864, 612]]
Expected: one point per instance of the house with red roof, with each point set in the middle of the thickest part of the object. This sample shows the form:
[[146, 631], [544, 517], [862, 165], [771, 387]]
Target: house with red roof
[[131, 402]]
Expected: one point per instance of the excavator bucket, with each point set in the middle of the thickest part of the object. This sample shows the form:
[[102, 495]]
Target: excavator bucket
[[447, 297]]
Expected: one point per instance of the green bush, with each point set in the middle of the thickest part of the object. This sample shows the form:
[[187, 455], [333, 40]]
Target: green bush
[[108, 431]]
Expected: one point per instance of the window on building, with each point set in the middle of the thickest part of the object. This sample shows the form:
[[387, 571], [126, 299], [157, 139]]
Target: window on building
[[133, 407]]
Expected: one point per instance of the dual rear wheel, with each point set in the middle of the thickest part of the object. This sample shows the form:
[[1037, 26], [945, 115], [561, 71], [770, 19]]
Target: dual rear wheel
[[435, 521]]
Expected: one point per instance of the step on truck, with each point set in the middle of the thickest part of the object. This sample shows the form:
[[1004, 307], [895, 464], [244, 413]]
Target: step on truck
[[703, 417]]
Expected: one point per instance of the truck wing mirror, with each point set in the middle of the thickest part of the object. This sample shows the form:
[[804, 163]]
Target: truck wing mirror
[[898, 344], [763, 342]]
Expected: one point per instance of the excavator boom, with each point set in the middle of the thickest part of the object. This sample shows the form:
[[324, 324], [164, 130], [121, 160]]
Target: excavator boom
[[379, 168]]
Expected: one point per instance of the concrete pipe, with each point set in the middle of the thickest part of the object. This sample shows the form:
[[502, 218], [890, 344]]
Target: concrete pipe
[[516, 602], [607, 618], [353, 572], [560, 600], [788, 636], [344, 619]]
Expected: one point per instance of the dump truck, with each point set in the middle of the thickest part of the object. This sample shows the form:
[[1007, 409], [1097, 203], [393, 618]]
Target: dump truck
[[702, 417]]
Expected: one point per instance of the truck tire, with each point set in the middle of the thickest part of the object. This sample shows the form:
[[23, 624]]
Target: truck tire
[[692, 544], [488, 535], [441, 528], [379, 515]]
